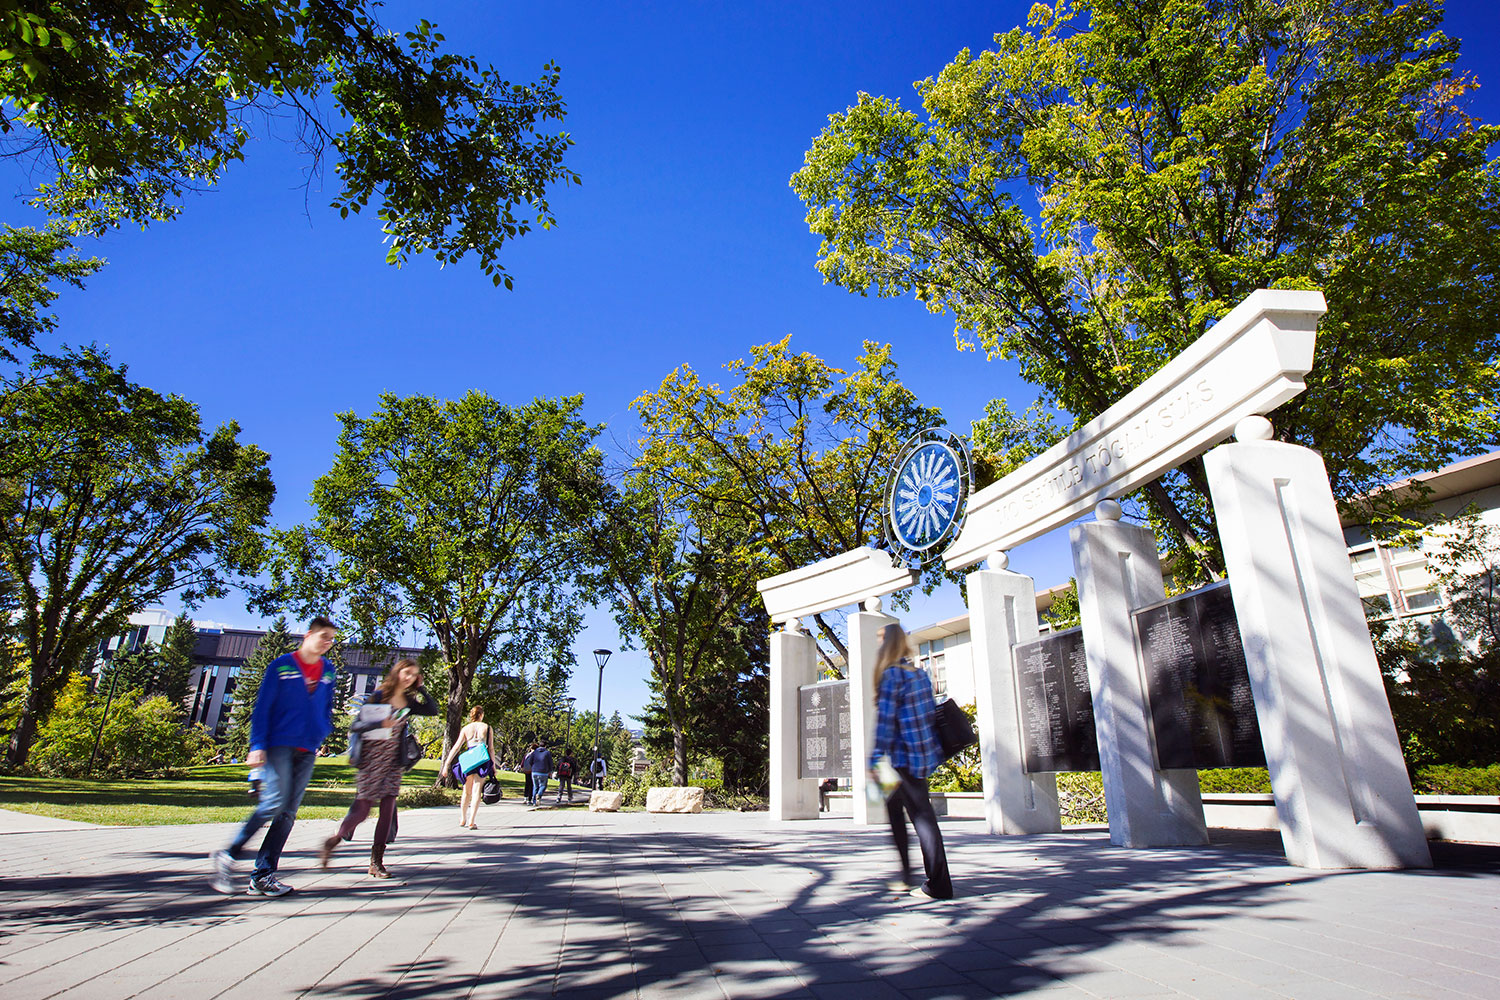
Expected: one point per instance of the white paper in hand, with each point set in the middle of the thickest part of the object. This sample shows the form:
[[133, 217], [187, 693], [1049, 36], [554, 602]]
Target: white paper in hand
[[375, 713]]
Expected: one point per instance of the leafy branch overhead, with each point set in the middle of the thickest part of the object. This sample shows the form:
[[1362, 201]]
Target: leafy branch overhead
[[1090, 195], [124, 108]]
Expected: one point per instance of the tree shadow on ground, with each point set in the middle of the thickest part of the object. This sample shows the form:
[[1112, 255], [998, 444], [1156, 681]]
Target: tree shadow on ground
[[771, 911]]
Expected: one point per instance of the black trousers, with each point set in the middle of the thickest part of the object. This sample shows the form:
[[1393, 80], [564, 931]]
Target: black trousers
[[910, 798]]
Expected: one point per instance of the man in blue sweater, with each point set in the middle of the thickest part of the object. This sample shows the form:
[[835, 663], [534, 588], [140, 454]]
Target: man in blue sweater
[[293, 715]]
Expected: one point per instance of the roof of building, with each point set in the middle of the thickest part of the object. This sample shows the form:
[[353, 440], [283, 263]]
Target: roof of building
[[1467, 476]]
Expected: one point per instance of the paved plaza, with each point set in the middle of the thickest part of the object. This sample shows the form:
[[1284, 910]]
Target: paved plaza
[[560, 902]]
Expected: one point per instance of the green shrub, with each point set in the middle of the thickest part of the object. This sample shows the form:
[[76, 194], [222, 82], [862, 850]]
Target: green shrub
[[1080, 796], [140, 738], [1450, 779], [1231, 780], [425, 796]]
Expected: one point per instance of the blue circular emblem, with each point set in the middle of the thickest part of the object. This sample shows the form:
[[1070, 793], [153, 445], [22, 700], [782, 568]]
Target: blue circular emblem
[[927, 493]]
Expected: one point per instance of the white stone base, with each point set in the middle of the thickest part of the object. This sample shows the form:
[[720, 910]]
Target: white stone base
[[674, 800]]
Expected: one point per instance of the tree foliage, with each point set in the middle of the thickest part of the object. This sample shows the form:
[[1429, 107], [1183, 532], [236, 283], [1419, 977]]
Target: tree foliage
[[125, 107], [456, 514], [177, 658], [111, 498], [796, 450], [138, 737], [1090, 195]]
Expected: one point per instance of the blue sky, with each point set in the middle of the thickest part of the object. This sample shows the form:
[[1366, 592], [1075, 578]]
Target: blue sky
[[683, 245]]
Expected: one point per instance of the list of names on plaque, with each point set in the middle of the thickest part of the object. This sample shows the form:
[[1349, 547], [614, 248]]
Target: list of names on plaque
[[824, 742], [1202, 711], [1057, 706]]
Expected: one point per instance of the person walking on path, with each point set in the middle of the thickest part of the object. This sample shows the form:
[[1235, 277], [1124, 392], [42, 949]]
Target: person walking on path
[[597, 771], [381, 760], [292, 717], [904, 734], [475, 733], [565, 777], [526, 772], [541, 770]]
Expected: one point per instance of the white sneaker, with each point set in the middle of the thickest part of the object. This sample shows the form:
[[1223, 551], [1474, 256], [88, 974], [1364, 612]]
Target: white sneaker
[[223, 877], [269, 885]]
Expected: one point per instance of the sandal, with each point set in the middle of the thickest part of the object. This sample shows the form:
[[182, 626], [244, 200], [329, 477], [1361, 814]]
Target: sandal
[[377, 870]]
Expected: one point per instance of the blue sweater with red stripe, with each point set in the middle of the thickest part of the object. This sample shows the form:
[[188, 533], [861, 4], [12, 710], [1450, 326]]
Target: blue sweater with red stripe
[[288, 715]]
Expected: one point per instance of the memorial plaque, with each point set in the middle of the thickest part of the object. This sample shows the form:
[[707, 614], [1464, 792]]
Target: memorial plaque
[[1056, 704], [1202, 711], [825, 737]]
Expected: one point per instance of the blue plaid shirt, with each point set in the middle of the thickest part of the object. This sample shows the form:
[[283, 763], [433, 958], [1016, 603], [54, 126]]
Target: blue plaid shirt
[[903, 728]]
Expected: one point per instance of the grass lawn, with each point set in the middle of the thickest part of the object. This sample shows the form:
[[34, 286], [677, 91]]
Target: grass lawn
[[214, 794]]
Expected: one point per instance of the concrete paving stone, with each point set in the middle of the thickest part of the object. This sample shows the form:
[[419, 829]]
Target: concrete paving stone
[[1015, 978], [929, 975], [1115, 984], [1459, 981], [855, 991]]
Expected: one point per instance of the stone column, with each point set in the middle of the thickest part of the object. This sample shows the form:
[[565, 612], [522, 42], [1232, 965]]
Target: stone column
[[864, 644], [1002, 612], [793, 663], [1118, 570], [1343, 798]]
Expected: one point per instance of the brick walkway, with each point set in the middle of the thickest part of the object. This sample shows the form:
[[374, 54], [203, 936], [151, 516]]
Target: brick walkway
[[563, 903]]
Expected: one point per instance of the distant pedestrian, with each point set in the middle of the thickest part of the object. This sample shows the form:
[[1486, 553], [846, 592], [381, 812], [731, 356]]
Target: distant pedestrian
[[541, 770], [381, 761], [597, 771], [475, 734], [526, 773], [904, 734], [292, 717], [565, 777], [824, 787]]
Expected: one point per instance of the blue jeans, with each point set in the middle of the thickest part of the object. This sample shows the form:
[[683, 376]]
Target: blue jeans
[[287, 772], [538, 785]]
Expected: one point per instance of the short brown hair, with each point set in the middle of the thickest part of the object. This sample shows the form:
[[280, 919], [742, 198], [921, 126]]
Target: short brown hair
[[476, 713], [320, 623]]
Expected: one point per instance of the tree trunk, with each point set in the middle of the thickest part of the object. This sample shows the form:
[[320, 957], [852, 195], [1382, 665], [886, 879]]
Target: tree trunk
[[679, 756], [23, 735], [460, 684]]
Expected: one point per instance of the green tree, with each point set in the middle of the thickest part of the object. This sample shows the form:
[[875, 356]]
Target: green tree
[[276, 642], [111, 498], [176, 658], [33, 262], [797, 450], [677, 572], [1179, 154], [140, 737], [134, 669], [455, 514], [137, 103]]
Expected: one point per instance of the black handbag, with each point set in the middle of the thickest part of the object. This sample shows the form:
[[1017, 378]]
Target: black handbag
[[411, 750], [954, 730], [490, 793]]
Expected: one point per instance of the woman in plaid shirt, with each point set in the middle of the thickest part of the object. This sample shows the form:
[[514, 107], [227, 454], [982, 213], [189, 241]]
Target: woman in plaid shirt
[[904, 711]]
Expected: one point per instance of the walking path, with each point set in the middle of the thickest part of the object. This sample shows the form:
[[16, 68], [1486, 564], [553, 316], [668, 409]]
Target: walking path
[[561, 902]]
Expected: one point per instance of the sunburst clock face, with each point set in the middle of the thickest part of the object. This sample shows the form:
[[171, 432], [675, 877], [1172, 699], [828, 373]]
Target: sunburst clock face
[[927, 493]]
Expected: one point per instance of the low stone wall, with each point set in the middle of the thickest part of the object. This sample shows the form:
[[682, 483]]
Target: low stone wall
[[957, 805]]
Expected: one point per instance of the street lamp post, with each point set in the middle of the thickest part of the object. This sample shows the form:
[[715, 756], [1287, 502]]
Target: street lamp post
[[601, 657], [568, 733]]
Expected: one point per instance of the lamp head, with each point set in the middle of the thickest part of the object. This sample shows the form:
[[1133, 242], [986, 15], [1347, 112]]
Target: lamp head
[[601, 657]]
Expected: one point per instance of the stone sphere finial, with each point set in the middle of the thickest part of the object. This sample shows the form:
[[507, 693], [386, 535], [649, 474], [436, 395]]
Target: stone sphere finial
[[999, 559], [1255, 428], [1107, 510], [792, 626], [873, 603]]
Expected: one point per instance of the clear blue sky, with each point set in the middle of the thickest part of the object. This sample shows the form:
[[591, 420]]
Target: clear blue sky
[[683, 245]]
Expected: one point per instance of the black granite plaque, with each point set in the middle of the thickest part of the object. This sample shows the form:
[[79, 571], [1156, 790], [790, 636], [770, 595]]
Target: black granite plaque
[[824, 732], [1202, 712], [1056, 704]]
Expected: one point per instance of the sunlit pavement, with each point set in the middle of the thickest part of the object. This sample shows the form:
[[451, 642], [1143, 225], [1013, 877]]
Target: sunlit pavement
[[561, 902]]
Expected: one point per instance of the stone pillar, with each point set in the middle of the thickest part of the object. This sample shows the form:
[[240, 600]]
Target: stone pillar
[[1002, 612], [794, 658], [864, 644], [1343, 798], [1118, 570]]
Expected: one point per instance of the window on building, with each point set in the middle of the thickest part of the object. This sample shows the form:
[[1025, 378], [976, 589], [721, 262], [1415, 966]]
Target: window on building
[[933, 660], [1394, 580]]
